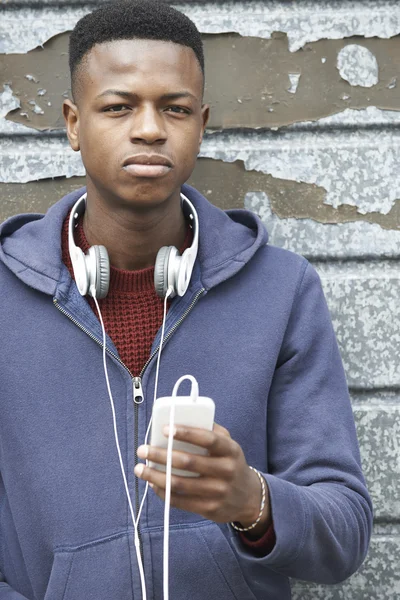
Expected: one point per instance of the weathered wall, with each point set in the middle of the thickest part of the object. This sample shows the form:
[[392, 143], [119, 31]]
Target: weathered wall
[[305, 132]]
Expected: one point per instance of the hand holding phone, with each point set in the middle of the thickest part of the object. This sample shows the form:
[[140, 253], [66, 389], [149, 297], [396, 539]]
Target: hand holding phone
[[191, 411]]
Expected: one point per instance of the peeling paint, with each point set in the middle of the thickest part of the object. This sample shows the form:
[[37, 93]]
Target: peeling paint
[[294, 82], [322, 241], [32, 78], [20, 35], [227, 184], [304, 22], [355, 168], [358, 66], [274, 92], [269, 69], [288, 199], [350, 117], [286, 207], [36, 108], [42, 72], [8, 101]]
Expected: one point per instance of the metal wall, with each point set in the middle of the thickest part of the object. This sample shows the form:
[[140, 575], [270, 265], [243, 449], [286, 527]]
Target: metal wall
[[304, 131]]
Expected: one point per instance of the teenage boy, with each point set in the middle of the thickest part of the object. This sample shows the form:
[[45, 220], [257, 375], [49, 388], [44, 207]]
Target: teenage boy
[[280, 492]]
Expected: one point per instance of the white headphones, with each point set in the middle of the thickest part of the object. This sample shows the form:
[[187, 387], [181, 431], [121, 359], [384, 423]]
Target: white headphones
[[92, 270]]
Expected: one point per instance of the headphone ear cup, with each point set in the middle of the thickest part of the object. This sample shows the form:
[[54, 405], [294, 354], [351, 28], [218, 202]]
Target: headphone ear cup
[[81, 274], [102, 271], [161, 271]]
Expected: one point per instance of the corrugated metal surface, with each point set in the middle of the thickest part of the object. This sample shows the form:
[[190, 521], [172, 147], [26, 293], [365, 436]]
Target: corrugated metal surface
[[315, 152]]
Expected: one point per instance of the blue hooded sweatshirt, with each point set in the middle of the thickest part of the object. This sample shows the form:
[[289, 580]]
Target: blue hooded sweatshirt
[[255, 331]]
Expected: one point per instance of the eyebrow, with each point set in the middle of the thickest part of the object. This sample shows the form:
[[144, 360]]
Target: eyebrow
[[132, 96]]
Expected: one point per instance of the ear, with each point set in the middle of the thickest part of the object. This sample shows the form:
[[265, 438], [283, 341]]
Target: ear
[[205, 115], [71, 117]]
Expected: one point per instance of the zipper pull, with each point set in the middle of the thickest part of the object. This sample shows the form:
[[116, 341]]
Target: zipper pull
[[138, 396]]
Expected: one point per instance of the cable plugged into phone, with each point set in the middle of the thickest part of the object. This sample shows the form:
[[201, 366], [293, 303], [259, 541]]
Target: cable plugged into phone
[[191, 411]]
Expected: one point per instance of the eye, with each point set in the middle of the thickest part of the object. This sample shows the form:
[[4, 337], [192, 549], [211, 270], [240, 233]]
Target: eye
[[116, 108], [179, 110]]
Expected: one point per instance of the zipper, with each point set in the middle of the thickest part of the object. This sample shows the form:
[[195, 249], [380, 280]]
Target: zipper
[[137, 390], [138, 396]]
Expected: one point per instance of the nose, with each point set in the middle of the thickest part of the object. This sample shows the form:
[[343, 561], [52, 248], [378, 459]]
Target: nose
[[147, 126]]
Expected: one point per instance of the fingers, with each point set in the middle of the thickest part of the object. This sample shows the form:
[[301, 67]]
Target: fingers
[[217, 442], [203, 465], [194, 504], [195, 487], [222, 430]]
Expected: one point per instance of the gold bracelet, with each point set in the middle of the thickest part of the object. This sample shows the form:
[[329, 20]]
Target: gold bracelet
[[262, 481]]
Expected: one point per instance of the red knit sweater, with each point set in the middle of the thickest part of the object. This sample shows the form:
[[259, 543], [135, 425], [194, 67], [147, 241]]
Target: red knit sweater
[[132, 314]]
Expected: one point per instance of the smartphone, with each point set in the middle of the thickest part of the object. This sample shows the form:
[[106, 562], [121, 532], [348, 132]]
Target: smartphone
[[192, 413]]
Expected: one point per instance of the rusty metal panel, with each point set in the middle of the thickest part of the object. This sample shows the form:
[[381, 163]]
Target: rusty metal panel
[[363, 301], [378, 413], [277, 88], [305, 131], [304, 21]]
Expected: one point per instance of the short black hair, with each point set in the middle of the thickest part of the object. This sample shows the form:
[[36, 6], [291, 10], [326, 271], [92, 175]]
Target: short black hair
[[131, 19]]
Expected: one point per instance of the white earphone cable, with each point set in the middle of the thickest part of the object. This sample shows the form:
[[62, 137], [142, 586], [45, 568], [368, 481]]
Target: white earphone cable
[[137, 541], [169, 291], [168, 466], [167, 505], [194, 393]]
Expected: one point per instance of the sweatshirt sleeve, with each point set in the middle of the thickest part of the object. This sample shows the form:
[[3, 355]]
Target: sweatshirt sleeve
[[321, 509], [263, 545]]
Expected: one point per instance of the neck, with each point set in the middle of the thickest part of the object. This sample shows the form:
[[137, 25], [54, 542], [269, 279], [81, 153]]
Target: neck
[[133, 237]]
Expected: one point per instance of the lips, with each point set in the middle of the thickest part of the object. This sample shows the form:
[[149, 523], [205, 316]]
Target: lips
[[147, 165]]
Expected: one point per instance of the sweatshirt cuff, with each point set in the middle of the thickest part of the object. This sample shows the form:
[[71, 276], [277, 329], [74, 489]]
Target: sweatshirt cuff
[[263, 545]]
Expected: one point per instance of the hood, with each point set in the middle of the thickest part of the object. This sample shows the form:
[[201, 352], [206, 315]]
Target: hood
[[30, 244]]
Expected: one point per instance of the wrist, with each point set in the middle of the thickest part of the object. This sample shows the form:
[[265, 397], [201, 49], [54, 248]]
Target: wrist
[[251, 510], [256, 516], [261, 528]]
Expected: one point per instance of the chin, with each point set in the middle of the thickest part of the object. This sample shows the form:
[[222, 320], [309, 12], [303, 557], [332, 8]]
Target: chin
[[150, 191], [144, 197]]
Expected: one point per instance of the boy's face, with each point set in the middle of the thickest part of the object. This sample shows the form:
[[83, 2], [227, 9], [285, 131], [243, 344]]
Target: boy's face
[[137, 97]]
